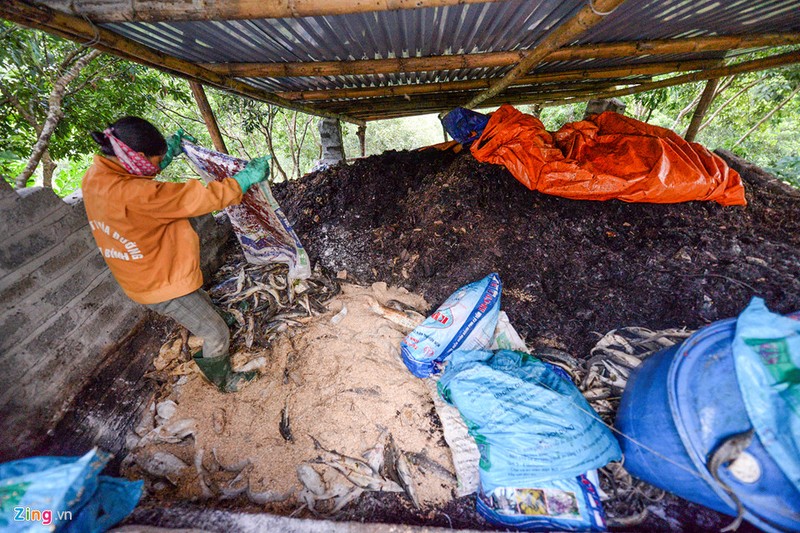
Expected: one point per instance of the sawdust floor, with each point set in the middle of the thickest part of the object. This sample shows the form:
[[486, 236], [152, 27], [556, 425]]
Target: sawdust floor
[[338, 379]]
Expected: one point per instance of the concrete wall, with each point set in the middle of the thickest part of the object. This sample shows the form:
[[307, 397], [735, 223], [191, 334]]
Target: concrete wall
[[61, 311]]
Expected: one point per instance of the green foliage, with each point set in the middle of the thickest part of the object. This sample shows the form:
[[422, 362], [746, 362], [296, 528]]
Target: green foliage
[[787, 169], [108, 88], [68, 178]]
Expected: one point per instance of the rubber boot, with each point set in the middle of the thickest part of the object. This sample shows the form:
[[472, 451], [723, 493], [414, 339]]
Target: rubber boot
[[219, 372]]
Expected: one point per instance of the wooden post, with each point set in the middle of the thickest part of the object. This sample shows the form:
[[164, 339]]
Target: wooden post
[[362, 139], [208, 116], [702, 107]]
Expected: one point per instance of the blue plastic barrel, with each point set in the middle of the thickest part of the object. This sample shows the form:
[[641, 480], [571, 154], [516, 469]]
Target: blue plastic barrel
[[682, 403]]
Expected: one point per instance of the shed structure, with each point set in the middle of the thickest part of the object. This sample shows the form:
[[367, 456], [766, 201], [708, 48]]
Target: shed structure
[[362, 60]]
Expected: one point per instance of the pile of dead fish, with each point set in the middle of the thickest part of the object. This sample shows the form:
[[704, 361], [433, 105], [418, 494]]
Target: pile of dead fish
[[383, 468], [602, 378], [263, 298]]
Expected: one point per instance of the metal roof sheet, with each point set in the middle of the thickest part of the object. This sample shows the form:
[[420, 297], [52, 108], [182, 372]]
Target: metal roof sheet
[[509, 25]]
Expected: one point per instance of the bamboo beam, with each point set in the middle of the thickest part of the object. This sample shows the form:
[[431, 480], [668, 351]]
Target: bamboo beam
[[208, 116], [585, 19], [775, 61], [547, 77], [101, 11], [702, 106], [83, 31], [500, 59], [430, 105]]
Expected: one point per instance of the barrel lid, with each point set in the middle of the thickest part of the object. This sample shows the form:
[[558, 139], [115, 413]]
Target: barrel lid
[[707, 408]]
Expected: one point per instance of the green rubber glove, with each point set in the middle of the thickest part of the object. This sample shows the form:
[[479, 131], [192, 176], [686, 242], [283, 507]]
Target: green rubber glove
[[174, 146], [256, 170]]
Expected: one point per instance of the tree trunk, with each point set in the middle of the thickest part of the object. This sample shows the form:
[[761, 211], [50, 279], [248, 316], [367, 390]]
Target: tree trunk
[[767, 117], [54, 116], [48, 169], [728, 102], [267, 130]]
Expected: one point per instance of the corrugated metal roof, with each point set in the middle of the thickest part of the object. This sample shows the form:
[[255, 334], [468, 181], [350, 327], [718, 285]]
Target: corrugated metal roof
[[459, 29]]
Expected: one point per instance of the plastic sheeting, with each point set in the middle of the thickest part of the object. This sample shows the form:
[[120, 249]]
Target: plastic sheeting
[[609, 156]]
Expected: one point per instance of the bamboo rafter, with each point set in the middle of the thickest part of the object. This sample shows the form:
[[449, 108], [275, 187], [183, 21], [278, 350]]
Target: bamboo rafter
[[586, 18], [499, 59], [102, 11], [775, 61], [83, 31], [646, 69]]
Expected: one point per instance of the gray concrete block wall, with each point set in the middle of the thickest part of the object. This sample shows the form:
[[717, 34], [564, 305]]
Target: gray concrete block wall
[[61, 310]]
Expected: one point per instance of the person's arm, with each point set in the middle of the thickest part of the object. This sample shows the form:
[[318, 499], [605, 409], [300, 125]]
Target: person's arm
[[170, 201]]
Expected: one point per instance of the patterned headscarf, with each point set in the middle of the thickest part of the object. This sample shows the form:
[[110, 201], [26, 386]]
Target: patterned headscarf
[[133, 161]]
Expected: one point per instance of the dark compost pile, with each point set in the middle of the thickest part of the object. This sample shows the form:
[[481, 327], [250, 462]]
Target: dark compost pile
[[432, 221]]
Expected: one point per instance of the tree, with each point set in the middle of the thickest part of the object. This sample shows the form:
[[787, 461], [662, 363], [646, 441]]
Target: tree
[[53, 92]]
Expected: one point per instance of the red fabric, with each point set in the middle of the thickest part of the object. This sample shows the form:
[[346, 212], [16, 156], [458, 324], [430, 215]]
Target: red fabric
[[608, 156]]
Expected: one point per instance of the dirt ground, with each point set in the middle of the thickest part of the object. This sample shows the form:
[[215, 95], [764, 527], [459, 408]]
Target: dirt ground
[[433, 221]]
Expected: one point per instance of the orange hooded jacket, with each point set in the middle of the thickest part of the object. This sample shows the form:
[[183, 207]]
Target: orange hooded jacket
[[142, 229]]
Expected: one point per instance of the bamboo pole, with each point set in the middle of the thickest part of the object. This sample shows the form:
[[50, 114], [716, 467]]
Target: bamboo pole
[[357, 108], [500, 59], [707, 97], [775, 61], [370, 112], [83, 31], [548, 77], [208, 116], [174, 10], [585, 19]]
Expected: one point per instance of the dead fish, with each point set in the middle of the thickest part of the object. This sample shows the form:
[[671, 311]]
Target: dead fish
[[237, 486], [165, 410], [147, 423], [236, 467], [172, 433], [423, 462], [338, 317], [406, 479], [341, 501], [347, 462], [375, 455], [398, 317], [205, 490], [162, 465], [254, 364], [268, 496], [310, 479], [248, 338], [284, 428], [371, 481]]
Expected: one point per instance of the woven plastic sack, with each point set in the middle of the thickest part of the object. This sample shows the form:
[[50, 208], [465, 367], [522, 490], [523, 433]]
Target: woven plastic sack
[[64, 493], [608, 156], [766, 354], [561, 505], [536, 434], [263, 230], [465, 321]]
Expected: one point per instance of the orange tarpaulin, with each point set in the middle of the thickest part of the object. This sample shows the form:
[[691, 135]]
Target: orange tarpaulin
[[604, 157]]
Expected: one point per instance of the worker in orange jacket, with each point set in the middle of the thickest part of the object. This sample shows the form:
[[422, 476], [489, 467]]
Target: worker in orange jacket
[[142, 229]]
